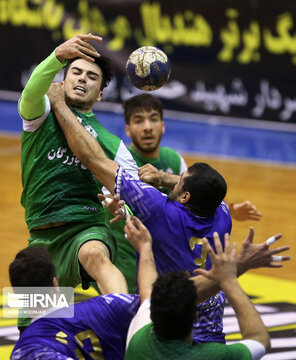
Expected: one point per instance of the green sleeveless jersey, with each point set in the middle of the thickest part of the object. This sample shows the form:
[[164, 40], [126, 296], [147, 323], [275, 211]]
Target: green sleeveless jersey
[[146, 345], [56, 185]]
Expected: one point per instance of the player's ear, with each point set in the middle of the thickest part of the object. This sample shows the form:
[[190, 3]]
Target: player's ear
[[162, 127], [62, 84], [127, 130], [100, 96], [55, 282], [184, 197]]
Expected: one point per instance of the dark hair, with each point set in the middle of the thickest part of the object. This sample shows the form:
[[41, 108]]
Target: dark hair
[[207, 189], [173, 306], [32, 267], [140, 102], [104, 64]]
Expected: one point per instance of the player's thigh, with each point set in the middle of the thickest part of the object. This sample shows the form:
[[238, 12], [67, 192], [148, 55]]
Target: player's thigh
[[63, 244], [93, 252]]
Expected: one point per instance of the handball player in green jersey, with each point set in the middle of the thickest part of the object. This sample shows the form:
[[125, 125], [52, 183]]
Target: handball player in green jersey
[[59, 195]]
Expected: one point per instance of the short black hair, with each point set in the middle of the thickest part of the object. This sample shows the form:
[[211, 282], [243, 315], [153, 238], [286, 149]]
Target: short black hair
[[32, 267], [141, 102], [104, 64], [173, 306], [207, 189]]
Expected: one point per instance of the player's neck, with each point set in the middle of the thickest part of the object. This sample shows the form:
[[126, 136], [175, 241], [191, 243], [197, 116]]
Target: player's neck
[[188, 339], [83, 108], [150, 155]]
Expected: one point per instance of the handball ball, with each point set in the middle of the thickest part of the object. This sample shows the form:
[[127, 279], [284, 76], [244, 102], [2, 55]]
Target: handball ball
[[148, 68]]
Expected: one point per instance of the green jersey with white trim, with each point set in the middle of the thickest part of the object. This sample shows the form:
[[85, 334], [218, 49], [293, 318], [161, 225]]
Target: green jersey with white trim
[[56, 185], [146, 345]]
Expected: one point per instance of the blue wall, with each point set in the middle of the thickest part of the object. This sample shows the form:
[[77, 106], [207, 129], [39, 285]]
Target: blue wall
[[194, 137]]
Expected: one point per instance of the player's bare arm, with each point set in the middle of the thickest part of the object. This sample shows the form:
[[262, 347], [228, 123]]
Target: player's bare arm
[[223, 272], [78, 46], [239, 211], [83, 145], [139, 237], [149, 174]]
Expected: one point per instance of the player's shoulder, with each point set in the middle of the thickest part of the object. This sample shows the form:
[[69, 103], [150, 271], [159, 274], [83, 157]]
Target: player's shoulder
[[223, 208], [124, 305]]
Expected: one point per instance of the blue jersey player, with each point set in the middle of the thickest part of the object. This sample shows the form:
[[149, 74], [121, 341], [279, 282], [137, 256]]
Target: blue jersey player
[[97, 330], [177, 232], [177, 224]]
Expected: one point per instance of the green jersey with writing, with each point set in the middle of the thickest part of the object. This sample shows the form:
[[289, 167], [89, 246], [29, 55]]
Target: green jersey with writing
[[168, 161], [56, 185], [146, 345]]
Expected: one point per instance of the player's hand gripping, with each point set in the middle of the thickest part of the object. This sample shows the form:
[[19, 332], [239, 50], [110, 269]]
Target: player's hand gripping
[[150, 175], [55, 94], [244, 211], [137, 234], [223, 262], [78, 46], [253, 256], [115, 206]]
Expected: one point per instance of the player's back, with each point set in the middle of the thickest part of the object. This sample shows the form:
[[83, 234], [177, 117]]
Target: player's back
[[94, 332], [177, 244], [177, 241]]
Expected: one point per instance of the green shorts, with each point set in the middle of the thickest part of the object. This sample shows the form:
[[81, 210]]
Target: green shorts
[[64, 242]]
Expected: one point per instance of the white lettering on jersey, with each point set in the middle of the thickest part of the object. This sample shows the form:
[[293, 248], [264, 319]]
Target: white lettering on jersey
[[91, 131]]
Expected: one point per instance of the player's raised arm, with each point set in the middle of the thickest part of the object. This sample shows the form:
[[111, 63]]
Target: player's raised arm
[[139, 237], [83, 145], [32, 103], [223, 272]]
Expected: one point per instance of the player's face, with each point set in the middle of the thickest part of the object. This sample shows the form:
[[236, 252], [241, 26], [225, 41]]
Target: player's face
[[177, 192], [146, 129], [82, 85]]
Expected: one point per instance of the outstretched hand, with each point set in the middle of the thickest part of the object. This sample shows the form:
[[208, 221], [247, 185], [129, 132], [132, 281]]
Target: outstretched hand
[[223, 262], [244, 211], [137, 234], [78, 46], [115, 206], [253, 256]]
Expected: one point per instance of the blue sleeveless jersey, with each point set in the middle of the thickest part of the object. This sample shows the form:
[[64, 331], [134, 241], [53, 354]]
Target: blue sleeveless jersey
[[177, 242], [97, 331]]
